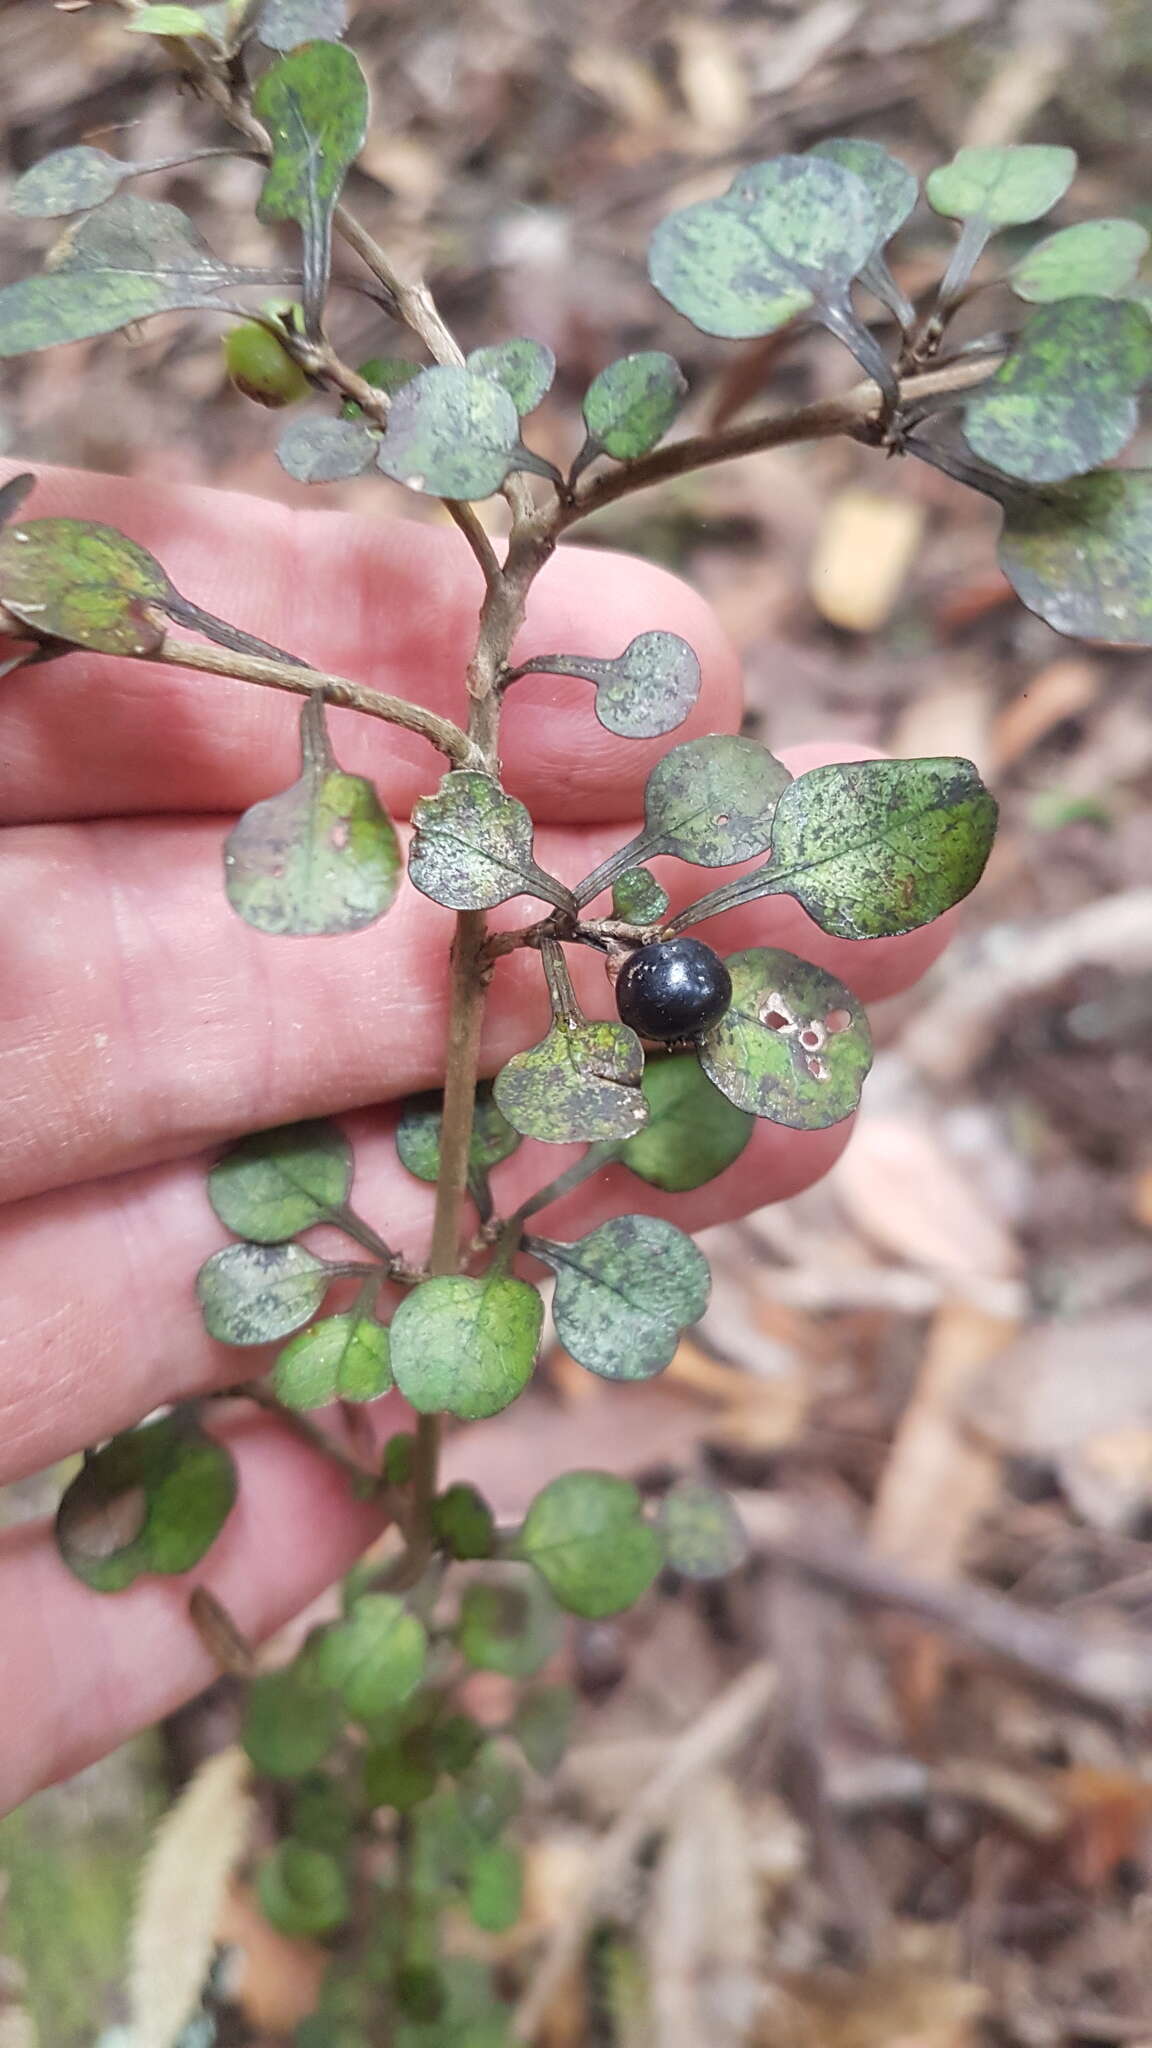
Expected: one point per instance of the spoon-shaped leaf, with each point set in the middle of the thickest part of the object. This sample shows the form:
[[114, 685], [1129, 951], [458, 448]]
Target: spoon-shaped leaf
[[153, 1500], [68, 181], [525, 369], [1097, 257], [314, 104], [1080, 555], [318, 450], [710, 801], [624, 1293], [988, 188], [466, 1347], [794, 1045], [254, 1293], [452, 433], [473, 847], [587, 1537], [581, 1083], [274, 1184], [73, 580], [1065, 398], [649, 689], [693, 1132]]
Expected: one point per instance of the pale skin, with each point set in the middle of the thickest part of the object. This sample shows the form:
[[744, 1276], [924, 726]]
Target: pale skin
[[141, 1025]]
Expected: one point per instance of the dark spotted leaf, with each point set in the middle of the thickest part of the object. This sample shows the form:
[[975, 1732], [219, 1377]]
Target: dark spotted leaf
[[1097, 257], [302, 1890], [693, 1132], [587, 1537], [291, 1720], [794, 1046], [542, 1725], [274, 1184], [68, 181], [579, 1084], [153, 1500], [893, 191], [418, 1135], [466, 1347], [473, 847], [649, 689], [375, 1658], [71, 580], [702, 1533], [631, 405], [1003, 187], [314, 104], [1080, 555], [637, 897], [1065, 398], [525, 369], [322, 858], [452, 433], [508, 1623], [342, 1358], [254, 1293], [284, 24], [319, 450], [710, 801], [624, 1293]]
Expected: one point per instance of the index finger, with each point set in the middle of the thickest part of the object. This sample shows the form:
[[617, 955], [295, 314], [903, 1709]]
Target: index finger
[[388, 604]]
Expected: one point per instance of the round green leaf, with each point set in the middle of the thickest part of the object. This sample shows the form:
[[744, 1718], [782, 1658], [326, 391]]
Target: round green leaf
[[73, 580], [418, 1135], [788, 235], [319, 450], [274, 1184], [794, 1045], [625, 1292], [1080, 555], [507, 1623], [465, 1347], [68, 181], [581, 1083], [712, 801], [525, 369], [473, 847], [452, 433], [291, 1720], [1004, 187], [302, 1891], [401, 1774], [637, 897], [891, 186], [587, 1537], [376, 1657], [314, 104], [647, 690], [462, 1522], [702, 1533], [631, 404], [693, 1132], [343, 1358], [542, 1725], [153, 1500], [254, 1293], [1097, 257], [1064, 399], [495, 1887]]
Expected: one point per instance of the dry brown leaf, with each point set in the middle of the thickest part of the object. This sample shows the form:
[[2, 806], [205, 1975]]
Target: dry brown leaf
[[894, 2007], [910, 1197], [183, 1883], [864, 550], [713, 82], [1108, 1814], [702, 1930], [1067, 1382], [1065, 689], [953, 718]]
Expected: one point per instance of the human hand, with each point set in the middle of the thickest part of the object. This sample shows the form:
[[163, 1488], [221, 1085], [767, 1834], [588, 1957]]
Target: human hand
[[142, 1024]]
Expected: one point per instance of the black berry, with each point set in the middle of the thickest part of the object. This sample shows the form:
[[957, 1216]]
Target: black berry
[[673, 989]]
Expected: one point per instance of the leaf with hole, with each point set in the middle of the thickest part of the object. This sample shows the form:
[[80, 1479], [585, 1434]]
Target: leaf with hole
[[1065, 398], [291, 1719], [702, 1533], [1080, 555], [647, 690], [1101, 258], [466, 1347], [624, 1293], [893, 190], [418, 1134], [693, 1132], [1002, 187], [794, 1046], [319, 450], [542, 1725], [375, 1658], [587, 1537], [153, 1500], [284, 24], [320, 859], [508, 1623], [709, 801], [524, 368], [342, 1358], [637, 897], [254, 1293], [452, 433], [69, 181], [314, 104], [630, 406], [274, 1184], [473, 847], [580, 1084], [302, 1891]]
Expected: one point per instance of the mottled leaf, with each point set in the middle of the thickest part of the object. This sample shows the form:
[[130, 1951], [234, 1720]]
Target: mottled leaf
[[473, 847], [1080, 555], [73, 580], [495, 1887], [1003, 187], [68, 181], [274, 1184], [319, 450], [375, 1658], [794, 1046], [342, 1358], [418, 1134], [302, 1890], [452, 433], [254, 1293], [891, 186], [1098, 257], [647, 690], [466, 1347], [1065, 397], [624, 1293], [291, 1720], [508, 1623], [525, 369], [542, 1725], [463, 1523], [314, 104], [322, 858], [702, 1533], [285, 24], [637, 897], [712, 801], [153, 1500], [632, 403], [579, 1084], [693, 1132], [587, 1537]]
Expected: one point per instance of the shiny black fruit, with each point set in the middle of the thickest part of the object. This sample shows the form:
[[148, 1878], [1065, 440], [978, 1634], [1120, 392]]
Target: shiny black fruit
[[675, 988]]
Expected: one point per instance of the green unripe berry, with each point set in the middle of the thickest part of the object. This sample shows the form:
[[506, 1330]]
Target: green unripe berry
[[261, 367]]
